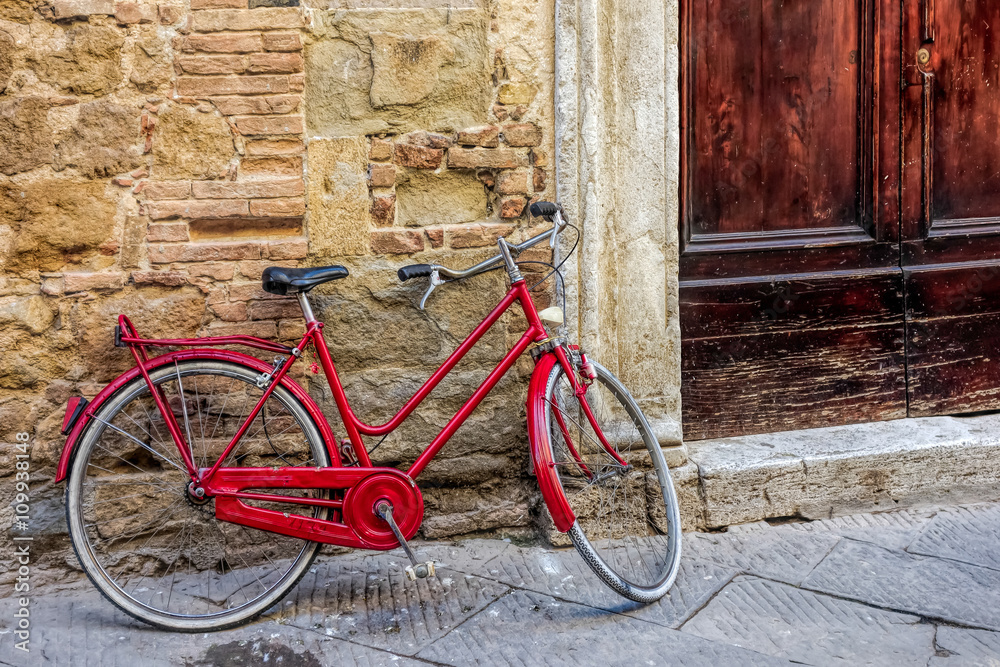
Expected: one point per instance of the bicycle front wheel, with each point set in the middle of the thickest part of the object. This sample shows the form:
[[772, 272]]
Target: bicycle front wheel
[[149, 546], [615, 478]]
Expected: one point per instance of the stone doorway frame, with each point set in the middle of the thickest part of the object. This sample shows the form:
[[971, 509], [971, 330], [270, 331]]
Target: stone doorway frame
[[617, 117]]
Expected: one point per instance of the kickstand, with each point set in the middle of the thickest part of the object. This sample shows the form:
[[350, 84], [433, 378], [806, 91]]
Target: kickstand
[[415, 570]]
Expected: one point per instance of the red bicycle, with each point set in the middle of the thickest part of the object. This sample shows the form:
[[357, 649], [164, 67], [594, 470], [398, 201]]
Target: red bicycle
[[203, 481]]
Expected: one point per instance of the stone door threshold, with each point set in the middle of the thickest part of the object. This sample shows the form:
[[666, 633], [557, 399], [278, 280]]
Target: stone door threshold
[[841, 470]]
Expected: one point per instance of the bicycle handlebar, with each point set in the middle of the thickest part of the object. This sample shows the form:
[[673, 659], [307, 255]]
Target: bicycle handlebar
[[538, 209]]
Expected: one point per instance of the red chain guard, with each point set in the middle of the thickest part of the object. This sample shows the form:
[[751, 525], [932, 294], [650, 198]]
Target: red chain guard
[[364, 487]]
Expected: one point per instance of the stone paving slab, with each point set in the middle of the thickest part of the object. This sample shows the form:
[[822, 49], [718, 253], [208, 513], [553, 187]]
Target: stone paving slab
[[931, 587], [564, 574], [892, 530], [508, 633], [367, 599], [968, 534], [960, 647], [811, 628], [785, 556], [77, 626]]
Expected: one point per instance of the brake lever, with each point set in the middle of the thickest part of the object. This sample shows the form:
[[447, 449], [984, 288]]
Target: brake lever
[[435, 279]]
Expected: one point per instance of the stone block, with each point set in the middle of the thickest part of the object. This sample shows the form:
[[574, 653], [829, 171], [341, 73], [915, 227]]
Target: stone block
[[270, 147], [522, 134], [104, 140], [56, 223], [130, 13], [338, 197], [89, 64], [7, 53], [32, 313], [190, 144], [88, 282], [277, 208], [25, 134], [405, 70], [63, 9], [517, 93], [381, 150], [487, 136], [448, 197], [383, 210], [399, 70]]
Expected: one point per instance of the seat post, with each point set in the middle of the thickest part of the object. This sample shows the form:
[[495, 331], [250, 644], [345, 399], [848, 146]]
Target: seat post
[[307, 310]]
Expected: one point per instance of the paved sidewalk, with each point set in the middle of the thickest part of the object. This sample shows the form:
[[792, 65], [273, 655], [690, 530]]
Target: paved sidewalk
[[904, 588]]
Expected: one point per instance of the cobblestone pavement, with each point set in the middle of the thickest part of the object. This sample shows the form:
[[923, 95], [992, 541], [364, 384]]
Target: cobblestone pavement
[[902, 588]]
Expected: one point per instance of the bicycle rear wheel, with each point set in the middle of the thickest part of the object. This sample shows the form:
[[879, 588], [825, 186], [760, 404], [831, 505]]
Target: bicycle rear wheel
[[627, 520], [149, 546]]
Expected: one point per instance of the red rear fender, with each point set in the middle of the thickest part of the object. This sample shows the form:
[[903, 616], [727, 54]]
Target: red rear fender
[[187, 355]]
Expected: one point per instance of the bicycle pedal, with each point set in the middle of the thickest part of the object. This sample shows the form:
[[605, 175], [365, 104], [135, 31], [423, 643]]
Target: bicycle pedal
[[420, 571]]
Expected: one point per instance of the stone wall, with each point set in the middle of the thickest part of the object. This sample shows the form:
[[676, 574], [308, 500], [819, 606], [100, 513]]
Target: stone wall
[[156, 156]]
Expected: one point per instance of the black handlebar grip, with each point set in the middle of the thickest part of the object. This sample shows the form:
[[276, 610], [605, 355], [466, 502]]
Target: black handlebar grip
[[414, 271], [544, 209]]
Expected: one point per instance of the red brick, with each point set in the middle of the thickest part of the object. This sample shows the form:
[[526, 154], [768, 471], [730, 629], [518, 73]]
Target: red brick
[[383, 210], [487, 178], [223, 43], [171, 14], [435, 236], [512, 182], [274, 309], [85, 282], [277, 208], [202, 86], [381, 175], [428, 139], [69, 8], [477, 235], [538, 180], [275, 63], [231, 312], [410, 155], [214, 270], [485, 135], [130, 13], [226, 208], [297, 82], [162, 278], [524, 134], [268, 147], [216, 64], [289, 187], [282, 41], [512, 207], [292, 330], [157, 190], [169, 232], [396, 241], [273, 104], [539, 158], [271, 167], [272, 18], [381, 150], [203, 252], [484, 158], [288, 249], [258, 125], [218, 4]]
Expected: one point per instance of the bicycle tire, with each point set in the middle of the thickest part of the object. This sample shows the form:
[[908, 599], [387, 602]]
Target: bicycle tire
[[646, 528], [110, 470]]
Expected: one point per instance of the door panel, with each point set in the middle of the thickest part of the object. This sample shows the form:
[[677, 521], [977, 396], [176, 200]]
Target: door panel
[[951, 205], [789, 187]]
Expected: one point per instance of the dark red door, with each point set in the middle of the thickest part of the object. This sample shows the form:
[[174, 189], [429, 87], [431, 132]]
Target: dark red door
[[951, 204], [791, 289]]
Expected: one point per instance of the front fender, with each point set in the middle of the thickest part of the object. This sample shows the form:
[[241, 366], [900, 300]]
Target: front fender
[[187, 355], [541, 455]]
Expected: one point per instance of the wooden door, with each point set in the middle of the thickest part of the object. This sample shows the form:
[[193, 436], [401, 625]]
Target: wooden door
[[791, 290], [951, 204]]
